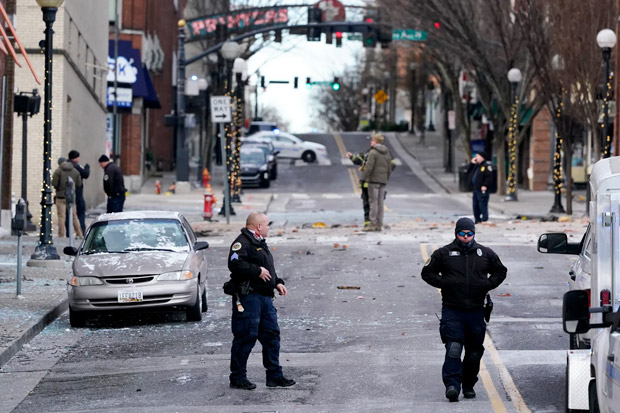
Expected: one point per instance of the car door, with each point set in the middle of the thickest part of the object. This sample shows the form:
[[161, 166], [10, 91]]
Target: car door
[[613, 369]]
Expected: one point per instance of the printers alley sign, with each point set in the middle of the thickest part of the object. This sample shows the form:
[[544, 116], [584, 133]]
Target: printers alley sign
[[237, 21]]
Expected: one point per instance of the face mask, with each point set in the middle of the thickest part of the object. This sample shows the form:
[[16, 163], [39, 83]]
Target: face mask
[[464, 245]]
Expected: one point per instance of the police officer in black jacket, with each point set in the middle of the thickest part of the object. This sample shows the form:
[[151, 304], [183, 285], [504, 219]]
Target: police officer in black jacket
[[254, 315], [481, 175], [113, 184], [80, 204], [464, 271]]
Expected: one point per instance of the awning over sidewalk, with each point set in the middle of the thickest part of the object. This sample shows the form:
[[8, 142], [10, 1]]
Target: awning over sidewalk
[[9, 45], [130, 70]]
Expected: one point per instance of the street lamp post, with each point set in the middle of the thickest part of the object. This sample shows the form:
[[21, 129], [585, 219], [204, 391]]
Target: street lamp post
[[45, 249], [240, 70], [431, 88], [413, 67], [514, 77], [182, 155], [229, 51], [606, 40], [203, 95], [557, 64]]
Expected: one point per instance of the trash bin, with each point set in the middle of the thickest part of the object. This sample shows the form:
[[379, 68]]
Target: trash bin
[[464, 183]]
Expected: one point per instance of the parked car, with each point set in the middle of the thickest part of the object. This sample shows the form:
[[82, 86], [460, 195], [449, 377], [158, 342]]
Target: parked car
[[270, 151], [133, 260], [290, 146], [254, 167], [258, 126]]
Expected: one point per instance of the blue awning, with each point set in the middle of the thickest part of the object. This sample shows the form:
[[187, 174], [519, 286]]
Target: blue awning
[[133, 72]]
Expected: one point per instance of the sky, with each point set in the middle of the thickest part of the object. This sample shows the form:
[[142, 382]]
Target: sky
[[296, 57]]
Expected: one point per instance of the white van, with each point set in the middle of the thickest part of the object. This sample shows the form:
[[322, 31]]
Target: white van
[[593, 376]]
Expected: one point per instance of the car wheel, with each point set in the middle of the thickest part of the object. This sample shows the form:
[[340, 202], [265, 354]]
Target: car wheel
[[308, 156], [76, 319], [203, 298], [194, 312], [593, 397]]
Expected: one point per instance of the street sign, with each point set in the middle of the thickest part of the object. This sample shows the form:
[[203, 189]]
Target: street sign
[[409, 34], [354, 36], [381, 96], [220, 109]]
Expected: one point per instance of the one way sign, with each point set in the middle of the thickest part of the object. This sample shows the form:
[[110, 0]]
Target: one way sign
[[220, 109]]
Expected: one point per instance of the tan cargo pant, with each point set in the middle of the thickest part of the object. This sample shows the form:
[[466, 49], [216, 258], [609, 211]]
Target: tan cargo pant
[[61, 210], [376, 195]]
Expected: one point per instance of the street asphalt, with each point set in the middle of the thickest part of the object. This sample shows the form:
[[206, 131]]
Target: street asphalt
[[44, 298]]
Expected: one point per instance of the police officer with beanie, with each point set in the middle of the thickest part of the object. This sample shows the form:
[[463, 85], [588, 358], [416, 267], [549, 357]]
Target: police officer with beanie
[[480, 172], [254, 316], [74, 158], [464, 271]]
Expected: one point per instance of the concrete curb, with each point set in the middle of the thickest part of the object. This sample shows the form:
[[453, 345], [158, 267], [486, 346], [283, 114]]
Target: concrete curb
[[31, 332], [416, 166]]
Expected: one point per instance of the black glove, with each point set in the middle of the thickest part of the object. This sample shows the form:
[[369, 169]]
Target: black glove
[[488, 308]]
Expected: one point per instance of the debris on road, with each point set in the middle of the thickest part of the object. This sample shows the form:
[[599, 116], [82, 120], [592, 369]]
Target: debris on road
[[348, 287]]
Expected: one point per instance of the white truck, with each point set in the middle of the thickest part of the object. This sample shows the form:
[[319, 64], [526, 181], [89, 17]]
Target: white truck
[[593, 375]]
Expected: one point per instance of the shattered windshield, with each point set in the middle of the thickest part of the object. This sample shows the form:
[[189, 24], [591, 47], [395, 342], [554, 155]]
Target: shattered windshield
[[125, 236]]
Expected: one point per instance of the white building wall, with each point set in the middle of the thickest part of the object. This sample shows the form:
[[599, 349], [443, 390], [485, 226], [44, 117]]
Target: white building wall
[[78, 102]]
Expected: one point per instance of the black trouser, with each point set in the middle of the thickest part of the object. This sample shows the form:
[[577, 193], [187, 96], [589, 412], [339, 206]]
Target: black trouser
[[458, 329], [365, 202], [115, 203], [80, 208], [481, 206]]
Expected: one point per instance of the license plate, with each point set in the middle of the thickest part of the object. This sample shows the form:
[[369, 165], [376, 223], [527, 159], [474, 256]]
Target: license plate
[[133, 296]]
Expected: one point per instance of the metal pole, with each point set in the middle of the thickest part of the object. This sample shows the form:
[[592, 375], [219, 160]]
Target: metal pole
[[29, 225], [511, 194], [2, 137], [46, 250], [256, 96], [201, 125], [182, 158], [226, 204], [115, 122], [19, 263], [606, 98]]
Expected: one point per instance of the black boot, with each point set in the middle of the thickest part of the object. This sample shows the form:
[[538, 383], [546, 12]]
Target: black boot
[[452, 393]]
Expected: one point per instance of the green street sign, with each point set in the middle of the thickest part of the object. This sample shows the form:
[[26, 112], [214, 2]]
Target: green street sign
[[409, 34], [354, 36]]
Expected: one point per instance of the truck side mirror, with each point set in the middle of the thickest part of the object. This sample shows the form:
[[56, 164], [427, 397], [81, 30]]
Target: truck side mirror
[[553, 243], [576, 312], [72, 251]]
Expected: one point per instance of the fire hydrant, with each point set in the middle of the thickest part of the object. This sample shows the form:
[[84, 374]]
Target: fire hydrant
[[208, 204], [206, 177], [157, 187]]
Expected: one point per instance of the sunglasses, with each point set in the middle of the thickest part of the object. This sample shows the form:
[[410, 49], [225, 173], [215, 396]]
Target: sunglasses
[[465, 233]]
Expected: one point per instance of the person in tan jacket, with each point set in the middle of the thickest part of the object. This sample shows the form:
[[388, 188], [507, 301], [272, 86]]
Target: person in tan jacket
[[60, 177], [376, 172]]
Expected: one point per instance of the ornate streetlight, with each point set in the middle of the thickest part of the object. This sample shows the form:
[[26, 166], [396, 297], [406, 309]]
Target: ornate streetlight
[[557, 64], [240, 70], [45, 249], [514, 77], [606, 40]]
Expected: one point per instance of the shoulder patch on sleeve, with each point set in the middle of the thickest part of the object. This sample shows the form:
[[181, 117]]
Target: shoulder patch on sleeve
[[490, 168], [482, 169], [428, 261], [236, 246]]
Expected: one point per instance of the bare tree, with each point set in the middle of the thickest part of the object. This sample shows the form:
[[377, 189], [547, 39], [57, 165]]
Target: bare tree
[[340, 109]]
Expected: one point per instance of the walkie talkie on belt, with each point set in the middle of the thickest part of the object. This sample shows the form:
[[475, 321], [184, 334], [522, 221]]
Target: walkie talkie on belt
[[488, 308]]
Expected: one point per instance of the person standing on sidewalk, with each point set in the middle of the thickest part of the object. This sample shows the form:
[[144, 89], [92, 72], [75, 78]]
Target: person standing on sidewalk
[[480, 173], [359, 159], [113, 184], [254, 316], [376, 171], [465, 271], [61, 175], [80, 204]]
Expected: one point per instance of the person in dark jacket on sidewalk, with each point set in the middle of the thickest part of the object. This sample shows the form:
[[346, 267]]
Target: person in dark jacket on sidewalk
[[480, 173], [113, 184], [80, 204], [465, 271], [359, 159], [60, 177], [254, 316], [376, 171]]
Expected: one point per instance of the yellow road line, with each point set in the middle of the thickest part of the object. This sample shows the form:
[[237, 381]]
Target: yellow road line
[[509, 384], [343, 154], [485, 377]]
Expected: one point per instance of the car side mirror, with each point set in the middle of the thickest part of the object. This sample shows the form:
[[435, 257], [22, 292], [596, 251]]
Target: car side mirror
[[201, 245], [553, 243], [576, 312], [70, 251], [276, 152]]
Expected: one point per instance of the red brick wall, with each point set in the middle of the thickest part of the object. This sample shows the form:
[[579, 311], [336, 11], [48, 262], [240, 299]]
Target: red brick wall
[[540, 150], [131, 146]]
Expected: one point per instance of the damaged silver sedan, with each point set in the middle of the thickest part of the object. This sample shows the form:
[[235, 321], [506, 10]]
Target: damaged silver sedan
[[140, 259]]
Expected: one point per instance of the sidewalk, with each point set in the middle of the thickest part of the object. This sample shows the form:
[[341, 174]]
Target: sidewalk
[[531, 204], [44, 294]]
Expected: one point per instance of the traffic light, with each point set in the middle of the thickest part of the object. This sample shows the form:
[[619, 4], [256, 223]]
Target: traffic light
[[221, 33], [328, 37], [308, 83], [336, 84], [262, 82], [315, 15], [338, 39], [370, 35], [295, 82], [384, 35], [278, 36]]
